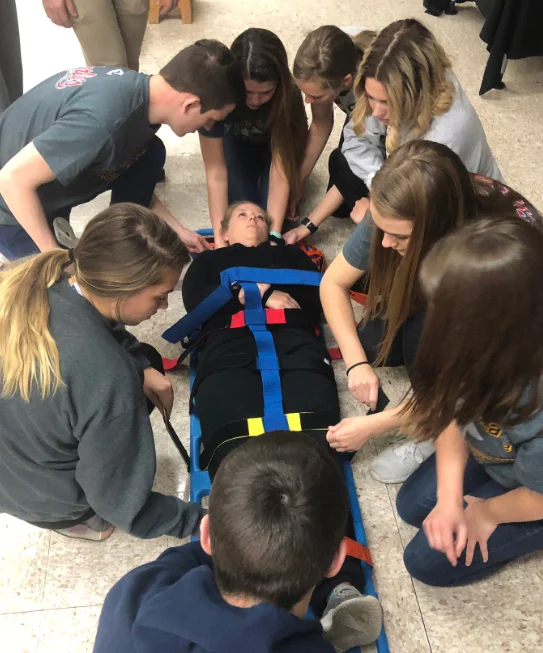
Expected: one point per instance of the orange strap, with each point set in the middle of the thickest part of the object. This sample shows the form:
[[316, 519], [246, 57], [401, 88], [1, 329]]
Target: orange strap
[[358, 551], [358, 297]]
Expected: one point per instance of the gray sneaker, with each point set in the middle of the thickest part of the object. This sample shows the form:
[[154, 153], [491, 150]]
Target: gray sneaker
[[351, 618], [399, 461]]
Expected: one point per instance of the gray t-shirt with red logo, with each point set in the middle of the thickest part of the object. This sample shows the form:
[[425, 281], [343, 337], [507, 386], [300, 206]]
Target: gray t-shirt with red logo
[[89, 124]]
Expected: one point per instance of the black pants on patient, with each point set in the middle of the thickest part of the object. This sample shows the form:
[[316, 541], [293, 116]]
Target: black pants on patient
[[234, 394]]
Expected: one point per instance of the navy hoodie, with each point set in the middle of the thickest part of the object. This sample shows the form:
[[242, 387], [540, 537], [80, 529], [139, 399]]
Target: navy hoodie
[[172, 605]]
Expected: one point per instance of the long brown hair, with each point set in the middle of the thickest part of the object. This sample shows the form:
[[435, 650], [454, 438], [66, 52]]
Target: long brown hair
[[123, 250], [427, 184], [480, 356], [407, 60], [263, 58], [328, 54]]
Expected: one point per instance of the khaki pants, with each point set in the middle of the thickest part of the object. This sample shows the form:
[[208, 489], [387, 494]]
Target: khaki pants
[[11, 71], [111, 32]]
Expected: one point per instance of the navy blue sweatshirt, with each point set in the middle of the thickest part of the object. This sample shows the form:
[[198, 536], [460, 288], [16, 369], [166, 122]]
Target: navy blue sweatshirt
[[172, 605]]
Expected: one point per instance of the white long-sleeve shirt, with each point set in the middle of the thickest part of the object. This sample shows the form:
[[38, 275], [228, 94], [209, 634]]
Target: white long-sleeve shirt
[[459, 128]]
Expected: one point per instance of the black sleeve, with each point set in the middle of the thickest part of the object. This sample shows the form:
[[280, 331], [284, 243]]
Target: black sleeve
[[201, 279]]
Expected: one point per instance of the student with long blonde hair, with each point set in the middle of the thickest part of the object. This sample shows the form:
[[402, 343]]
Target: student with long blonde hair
[[422, 193], [76, 387], [324, 69], [256, 154], [479, 500], [405, 90]]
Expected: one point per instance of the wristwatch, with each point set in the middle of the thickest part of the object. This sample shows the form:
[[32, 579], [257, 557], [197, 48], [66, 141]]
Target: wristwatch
[[306, 222]]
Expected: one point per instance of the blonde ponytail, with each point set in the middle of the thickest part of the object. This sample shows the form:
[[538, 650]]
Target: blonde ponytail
[[28, 353], [122, 251]]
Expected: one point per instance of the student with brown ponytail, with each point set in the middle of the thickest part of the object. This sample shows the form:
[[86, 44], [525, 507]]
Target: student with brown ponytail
[[76, 388], [478, 394], [324, 69], [255, 155]]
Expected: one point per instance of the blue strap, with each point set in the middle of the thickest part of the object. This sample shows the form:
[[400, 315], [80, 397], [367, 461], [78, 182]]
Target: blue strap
[[223, 294], [255, 318]]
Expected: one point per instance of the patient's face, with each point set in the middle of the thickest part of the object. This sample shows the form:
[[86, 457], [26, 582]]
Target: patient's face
[[247, 226]]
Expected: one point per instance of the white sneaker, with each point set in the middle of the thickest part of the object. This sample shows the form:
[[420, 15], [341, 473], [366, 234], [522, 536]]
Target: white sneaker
[[398, 462]]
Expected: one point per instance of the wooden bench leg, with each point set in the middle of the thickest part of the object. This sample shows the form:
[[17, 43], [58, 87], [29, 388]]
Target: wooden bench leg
[[185, 7], [154, 12]]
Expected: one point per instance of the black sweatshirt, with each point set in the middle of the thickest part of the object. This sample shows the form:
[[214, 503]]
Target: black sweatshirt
[[89, 447], [204, 275]]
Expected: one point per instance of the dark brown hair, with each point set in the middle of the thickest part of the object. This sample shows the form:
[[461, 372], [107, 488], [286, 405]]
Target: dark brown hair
[[207, 70], [480, 356], [328, 54], [263, 58], [427, 184], [277, 513]]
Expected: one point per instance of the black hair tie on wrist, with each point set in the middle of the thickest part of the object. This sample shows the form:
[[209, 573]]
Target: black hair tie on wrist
[[267, 295], [356, 365]]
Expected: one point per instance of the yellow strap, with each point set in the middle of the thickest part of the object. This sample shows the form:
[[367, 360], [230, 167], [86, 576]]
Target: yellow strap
[[255, 426], [294, 421]]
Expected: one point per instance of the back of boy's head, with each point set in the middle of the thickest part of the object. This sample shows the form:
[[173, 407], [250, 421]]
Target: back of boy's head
[[206, 69], [277, 513]]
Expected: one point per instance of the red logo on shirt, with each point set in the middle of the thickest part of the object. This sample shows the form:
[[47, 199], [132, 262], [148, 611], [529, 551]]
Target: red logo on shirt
[[75, 77]]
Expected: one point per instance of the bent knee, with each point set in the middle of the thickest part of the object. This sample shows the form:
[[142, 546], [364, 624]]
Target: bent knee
[[409, 510], [427, 565]]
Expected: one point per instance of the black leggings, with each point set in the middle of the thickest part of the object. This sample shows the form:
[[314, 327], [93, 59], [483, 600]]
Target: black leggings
[[343, 178], [404, 346]]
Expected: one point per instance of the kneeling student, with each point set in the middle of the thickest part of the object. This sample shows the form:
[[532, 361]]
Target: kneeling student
[[277, 514]]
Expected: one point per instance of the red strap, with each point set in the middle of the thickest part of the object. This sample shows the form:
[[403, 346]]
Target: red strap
[[359, 297], [273, 316], [335, 354], [169, 364], [237, 320], [358, 551]]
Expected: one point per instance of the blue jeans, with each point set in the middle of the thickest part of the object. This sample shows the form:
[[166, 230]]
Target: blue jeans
[[416, 499], [248, 165], [135, 184]]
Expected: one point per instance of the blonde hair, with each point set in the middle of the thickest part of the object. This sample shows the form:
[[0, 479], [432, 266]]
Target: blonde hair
[[123, 250], [328, 54], [230, 212], [412, 66]]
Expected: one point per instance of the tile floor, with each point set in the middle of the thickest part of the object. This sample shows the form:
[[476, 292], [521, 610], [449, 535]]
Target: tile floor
[[51, 588]]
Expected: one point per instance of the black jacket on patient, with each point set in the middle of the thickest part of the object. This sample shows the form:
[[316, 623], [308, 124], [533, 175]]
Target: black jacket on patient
[[228, 386]]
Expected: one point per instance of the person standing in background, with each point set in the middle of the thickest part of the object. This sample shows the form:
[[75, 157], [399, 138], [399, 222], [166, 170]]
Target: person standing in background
[[110, 32], [11, 69]]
